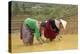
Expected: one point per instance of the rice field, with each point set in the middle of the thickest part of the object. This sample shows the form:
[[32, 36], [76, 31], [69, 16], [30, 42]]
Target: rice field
[[68, 41]]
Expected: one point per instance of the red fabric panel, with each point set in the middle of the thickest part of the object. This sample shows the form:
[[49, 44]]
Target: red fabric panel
[[48, 32]]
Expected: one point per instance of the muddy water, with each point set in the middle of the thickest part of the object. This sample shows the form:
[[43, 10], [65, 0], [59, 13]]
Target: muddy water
[[67, 42]]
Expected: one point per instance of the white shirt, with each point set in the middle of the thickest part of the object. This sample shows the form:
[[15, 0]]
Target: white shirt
[[57, 23]]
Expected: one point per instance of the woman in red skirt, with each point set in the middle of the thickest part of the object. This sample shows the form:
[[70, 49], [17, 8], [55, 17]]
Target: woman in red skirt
[[51, 28]]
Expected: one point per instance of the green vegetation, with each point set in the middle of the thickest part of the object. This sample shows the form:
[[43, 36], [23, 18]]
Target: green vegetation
[[43, 10]]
